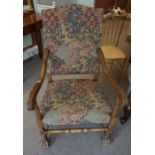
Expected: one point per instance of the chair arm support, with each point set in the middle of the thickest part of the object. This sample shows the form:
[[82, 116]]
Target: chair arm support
[[34, 92], [120, 92], [32, 96]]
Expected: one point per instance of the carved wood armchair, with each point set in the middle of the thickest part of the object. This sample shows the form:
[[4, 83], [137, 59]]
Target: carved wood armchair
[[76, 97]]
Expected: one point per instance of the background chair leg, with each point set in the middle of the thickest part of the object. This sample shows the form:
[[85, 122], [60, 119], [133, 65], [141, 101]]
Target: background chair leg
[[127, 113], [122, 68], [112, 61]]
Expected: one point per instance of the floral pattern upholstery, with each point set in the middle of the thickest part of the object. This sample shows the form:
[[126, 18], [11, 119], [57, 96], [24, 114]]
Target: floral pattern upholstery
[[73, 20], [77, 57], [71, 102], [52, 29], [72, 33], [82, 22]]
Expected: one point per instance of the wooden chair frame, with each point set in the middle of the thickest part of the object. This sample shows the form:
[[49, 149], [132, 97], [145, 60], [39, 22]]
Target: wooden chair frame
[[121, 99]]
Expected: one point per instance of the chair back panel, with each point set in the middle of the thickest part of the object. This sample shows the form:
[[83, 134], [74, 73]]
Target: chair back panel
[[82, 22], [72, 33], [52, 28], [112, 29]]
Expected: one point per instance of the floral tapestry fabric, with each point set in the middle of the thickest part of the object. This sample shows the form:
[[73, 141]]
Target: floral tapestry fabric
[[77, 57], [93, 26], [73, 20], [82, 22], [75, 102], [72, 33], [52, 29]]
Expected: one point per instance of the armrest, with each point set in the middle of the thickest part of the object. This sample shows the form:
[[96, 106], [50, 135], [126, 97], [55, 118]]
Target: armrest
[[32, 96], [120, 92], [35, 89]]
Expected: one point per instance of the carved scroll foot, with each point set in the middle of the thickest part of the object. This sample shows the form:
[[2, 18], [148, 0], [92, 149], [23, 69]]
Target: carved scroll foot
[[44, 142], [106, 141]]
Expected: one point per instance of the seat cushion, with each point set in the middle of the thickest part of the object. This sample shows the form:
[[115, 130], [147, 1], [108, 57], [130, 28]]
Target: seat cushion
[[73, 102], [112, 52]]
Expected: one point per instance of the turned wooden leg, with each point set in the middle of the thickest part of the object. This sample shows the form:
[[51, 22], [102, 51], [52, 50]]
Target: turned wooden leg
[[44, 139]]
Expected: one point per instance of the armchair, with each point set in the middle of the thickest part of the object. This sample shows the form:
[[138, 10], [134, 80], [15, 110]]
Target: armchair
[[76, 98]]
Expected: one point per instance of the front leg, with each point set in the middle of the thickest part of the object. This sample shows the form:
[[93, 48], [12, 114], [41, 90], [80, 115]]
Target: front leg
[[44, 140], [106, 139], [43, 135]]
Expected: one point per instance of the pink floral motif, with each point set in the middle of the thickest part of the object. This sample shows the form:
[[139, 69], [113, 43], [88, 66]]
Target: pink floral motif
[[52, 28], [70, 115], [86, 48], [78, 89]]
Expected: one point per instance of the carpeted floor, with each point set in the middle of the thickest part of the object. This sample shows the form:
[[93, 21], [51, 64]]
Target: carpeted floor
[[69, 144]]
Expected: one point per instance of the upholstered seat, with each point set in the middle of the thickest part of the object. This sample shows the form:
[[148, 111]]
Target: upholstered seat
[[113, 52], [73, 102]]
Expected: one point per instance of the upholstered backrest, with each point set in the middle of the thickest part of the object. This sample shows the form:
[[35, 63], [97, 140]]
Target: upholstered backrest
[[82, 21], [52, 28], [72, 33]]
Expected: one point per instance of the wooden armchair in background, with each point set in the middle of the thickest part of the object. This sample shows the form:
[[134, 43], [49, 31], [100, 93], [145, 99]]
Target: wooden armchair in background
[[113, 27], [78, 98]]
